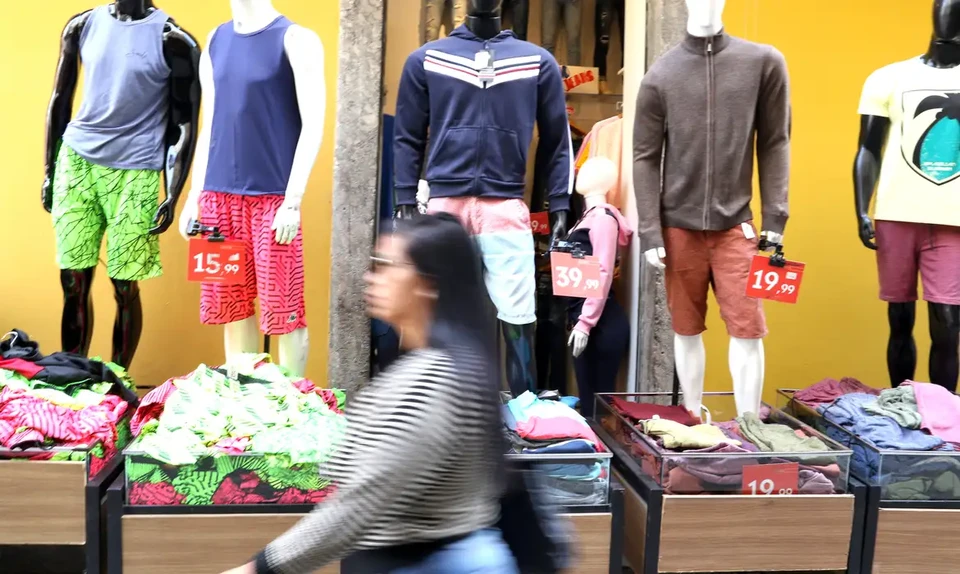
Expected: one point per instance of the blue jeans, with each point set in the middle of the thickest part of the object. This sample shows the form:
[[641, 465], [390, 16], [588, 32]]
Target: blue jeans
[[482, 552]]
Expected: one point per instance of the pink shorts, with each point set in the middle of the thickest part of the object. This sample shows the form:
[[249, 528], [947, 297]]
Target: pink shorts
[[275, 275], [905, 249]]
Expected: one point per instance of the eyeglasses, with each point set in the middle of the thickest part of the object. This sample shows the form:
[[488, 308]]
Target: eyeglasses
[[378, 263]]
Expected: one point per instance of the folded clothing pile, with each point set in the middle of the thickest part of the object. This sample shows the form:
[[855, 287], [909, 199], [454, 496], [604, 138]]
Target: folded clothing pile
[[671, 430], [907, 439], [61, 406], [551, 427], [245, 433]]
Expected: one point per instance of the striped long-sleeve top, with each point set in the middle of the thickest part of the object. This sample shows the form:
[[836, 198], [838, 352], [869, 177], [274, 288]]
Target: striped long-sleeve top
[[418, 463]]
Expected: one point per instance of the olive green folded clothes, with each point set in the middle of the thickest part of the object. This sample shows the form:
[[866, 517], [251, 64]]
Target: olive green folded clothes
[[900, 404], [781, 438], [676, 436]]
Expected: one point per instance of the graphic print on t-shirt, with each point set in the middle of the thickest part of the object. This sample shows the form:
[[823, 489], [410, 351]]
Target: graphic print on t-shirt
[[930, 140]]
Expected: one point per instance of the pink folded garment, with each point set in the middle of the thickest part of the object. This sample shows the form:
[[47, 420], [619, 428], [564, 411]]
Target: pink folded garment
[[828, 390], [939, 410], [537, 428]]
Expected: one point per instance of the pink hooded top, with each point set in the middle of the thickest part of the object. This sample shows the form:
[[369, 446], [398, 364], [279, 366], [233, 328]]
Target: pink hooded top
[[607, 235]]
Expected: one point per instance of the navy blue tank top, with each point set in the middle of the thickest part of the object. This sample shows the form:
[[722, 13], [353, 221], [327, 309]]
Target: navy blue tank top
[[256, 117]]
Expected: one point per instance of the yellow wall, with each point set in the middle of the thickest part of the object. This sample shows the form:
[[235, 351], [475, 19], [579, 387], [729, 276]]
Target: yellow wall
[[173, 341], [839, 327]]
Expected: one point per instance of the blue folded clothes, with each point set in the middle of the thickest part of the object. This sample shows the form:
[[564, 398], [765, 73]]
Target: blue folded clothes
[[575, 446]]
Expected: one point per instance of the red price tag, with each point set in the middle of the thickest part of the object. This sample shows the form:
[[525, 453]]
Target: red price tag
[[221, 262], [774, 283], [573, 277], [540, 223], [770, 479]]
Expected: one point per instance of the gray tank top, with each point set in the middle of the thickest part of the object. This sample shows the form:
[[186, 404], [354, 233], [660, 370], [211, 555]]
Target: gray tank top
[[123, 118]]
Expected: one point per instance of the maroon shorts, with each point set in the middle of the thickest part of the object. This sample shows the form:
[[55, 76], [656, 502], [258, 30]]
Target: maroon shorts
[[906, 249], [697, 259], [274, 271]]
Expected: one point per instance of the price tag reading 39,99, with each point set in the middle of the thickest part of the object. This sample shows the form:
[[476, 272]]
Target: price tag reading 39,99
[[768, 281], [575, 277], [771, 479], [222, 262]]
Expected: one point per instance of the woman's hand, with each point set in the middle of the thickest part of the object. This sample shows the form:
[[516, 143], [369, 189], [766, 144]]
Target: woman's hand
[[248, 568]]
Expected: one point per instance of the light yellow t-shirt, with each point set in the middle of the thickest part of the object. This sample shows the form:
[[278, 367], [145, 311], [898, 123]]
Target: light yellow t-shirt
[[920, 172]]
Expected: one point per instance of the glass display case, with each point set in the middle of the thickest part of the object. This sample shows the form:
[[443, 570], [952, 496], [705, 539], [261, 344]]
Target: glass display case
[[571, 479], [95, 456], [900, 474], [722, 469]]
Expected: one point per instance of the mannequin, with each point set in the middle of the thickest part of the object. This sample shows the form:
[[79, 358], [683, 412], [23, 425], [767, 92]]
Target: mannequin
[[601, 332], [687, 227], [486, 191], [433, 17], [282, 119], [519, 11], [162, 117], [603, 24], [571, 12], [924, 238]]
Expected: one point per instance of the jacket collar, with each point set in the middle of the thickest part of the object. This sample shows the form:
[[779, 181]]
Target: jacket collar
[[698, 45], [462, 31]]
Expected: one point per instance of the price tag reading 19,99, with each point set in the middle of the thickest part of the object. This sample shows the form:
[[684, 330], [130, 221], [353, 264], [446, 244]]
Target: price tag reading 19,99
[[768, 281], [771, 479], [221, 262], [540, 223], [575, 277]]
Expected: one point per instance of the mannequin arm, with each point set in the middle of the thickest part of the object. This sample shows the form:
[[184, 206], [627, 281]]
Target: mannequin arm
[[191, 210], [604, 236], [554, 150], [648, 134], [61, 102], [866, 172], [410, 139], [183, 56], [773, 143]]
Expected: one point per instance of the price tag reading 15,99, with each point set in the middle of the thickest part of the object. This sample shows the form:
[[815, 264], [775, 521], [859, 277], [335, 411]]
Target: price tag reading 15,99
[[768, 281], [575, 277], [222, 262]]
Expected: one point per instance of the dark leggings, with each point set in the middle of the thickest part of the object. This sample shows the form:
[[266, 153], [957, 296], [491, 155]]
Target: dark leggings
[[519, 11], [603, 26], [598, 365]]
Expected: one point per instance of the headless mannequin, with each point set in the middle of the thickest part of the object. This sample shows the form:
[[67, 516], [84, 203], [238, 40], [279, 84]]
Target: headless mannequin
[[182, 54], [943, 52], [746, 356], [305, 53], [483, 19]]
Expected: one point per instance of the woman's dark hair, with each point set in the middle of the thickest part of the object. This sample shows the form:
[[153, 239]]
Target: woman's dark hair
[[441, 250]]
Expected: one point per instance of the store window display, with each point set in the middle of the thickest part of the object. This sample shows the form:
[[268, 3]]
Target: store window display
[[601, 330], [570, 13], [698, 139], [479, 93], [263, 79], [104, 168], [909, 109], [436, 11], [606, 11]]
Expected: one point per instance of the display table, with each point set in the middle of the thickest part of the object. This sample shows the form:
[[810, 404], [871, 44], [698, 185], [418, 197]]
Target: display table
[[200, 539], [50, 513], [900, 536], [732, 532]]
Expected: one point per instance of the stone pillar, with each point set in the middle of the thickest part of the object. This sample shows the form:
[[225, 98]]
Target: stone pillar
[[356, 178], [666, 24]]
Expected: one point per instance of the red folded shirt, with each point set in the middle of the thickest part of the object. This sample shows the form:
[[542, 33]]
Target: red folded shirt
[[25, 368], [643, 411]]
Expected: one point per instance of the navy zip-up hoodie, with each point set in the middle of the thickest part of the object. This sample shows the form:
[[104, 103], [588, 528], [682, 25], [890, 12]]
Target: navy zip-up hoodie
[[480, 131]]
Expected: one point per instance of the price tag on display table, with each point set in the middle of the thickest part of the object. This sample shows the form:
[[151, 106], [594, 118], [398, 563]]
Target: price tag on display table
[[767, 281], [771, 479], [221, 262], [540, 223], [575, 276]]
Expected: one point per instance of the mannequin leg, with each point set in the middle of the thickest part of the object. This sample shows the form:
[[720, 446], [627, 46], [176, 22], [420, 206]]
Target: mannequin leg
[[76, 324], [571, 17], [518, 357], [746, 367], [129, 323], [901, 348], [292, 351], [556, 327], [691, 358], [603, 22], [597, 367], [548, 25], [521, 16], [945, 339], [241, 337]]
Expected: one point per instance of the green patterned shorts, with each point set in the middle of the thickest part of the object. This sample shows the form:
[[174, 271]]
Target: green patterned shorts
[[89, 200]]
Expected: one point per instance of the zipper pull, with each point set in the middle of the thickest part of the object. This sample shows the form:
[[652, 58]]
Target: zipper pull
[[710, 46]]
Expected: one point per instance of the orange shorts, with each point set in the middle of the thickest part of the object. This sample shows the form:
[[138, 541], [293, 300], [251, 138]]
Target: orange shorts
[[698, 259]]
